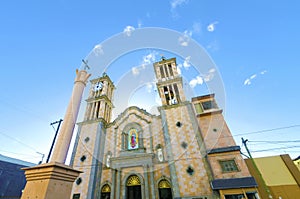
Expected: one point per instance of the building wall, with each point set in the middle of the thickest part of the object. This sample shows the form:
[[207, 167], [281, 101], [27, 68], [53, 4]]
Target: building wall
[[197, 183], [274, 171], [215, 131], [276, 176], [216, 135], [297, 163], [217, 170], [87, 144]]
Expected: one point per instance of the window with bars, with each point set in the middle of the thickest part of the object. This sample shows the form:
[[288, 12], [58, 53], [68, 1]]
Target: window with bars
[[228, 165], [211, 104], [205, 106], [171, 93]]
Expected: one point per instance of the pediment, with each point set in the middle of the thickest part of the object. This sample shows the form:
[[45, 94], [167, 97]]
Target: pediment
[[136, 113]]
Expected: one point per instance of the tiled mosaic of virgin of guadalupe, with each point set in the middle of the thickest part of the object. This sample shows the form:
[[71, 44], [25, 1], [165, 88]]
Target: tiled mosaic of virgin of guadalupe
[[133, 139]]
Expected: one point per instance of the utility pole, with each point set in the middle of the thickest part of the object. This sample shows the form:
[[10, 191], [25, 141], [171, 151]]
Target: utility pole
[[256, 168], [59, 122]]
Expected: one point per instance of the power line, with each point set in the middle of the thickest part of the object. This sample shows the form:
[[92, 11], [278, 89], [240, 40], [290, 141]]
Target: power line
[[22, 154], [269, 130], [256, 132], [278, 148], [276, 142], [17, 140], [24, 109]]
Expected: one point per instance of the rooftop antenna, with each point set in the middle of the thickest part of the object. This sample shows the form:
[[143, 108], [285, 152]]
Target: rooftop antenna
[[86, 66]]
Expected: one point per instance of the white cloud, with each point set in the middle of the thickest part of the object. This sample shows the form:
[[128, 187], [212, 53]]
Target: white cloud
[[98, 50], [149, 87], [128, 30], [187, 34], [212, 26], [186, 63], [135, 71], [147, 59], [210, 75], [150, 58], [212, 70], [176, 3], [185, 38], [248, 81], [200, 79], [253, 76], [197, 80], [263, 72]]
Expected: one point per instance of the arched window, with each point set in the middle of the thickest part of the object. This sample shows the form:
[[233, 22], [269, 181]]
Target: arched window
[[133, 181], [164, 189], [133, 187], [105, 192]]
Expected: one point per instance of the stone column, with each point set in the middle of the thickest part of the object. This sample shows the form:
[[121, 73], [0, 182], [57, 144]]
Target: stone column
[[152, 182], [113, 184], [65, 134], [55, 179], [146, 181], [118, 187]]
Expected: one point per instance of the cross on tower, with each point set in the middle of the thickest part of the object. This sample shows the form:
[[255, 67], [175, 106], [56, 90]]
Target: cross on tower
[[86, 66]]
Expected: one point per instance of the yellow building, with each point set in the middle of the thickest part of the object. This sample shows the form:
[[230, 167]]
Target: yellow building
[[186, 151], [297, 162], [277, 176]]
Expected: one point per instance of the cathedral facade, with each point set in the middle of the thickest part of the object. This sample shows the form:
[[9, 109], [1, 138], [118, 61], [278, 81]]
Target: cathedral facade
[[186, 151]]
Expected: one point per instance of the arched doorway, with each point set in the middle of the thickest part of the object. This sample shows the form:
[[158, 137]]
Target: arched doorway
[[133, 188], [164, 190], [105, 192]]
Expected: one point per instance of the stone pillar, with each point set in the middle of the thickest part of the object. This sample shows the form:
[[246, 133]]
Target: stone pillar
[[113, 184], [48, 181], [55, 179], [118, 187], [152, 187], [146, 181], [65, 134]]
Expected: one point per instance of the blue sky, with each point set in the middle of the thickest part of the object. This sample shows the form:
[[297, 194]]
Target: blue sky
[[254, 45]]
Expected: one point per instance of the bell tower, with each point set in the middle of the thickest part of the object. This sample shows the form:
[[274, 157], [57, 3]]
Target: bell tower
[[90, 140], [169, 82], [99, 102], [182, 138]]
